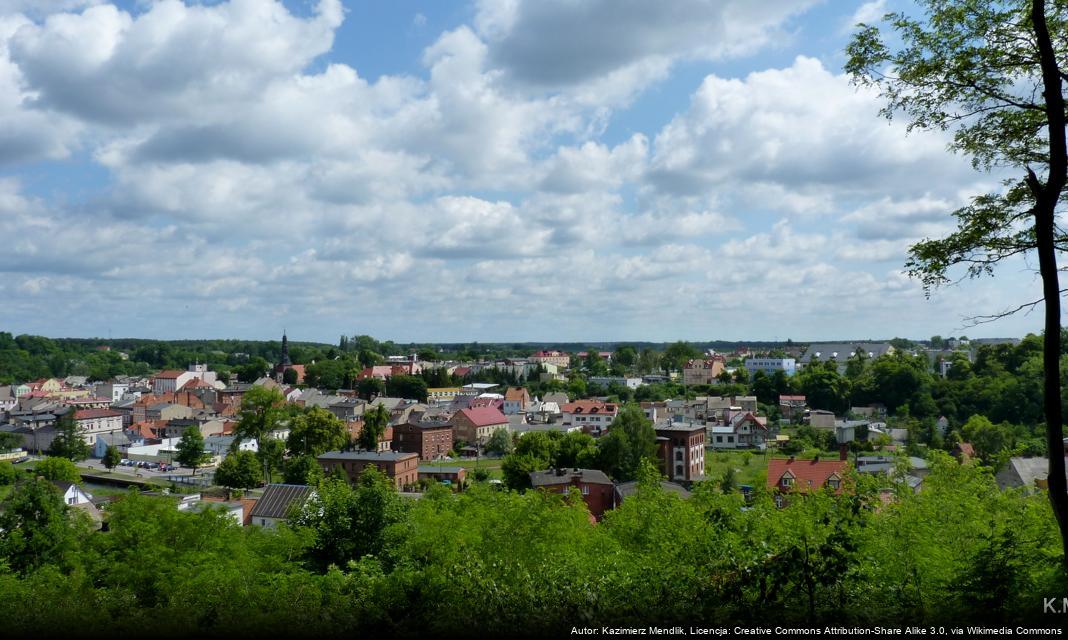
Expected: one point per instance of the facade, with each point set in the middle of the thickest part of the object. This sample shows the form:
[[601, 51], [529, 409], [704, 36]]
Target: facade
[[557, 358], [442, 395], [840, 353], [93, 423], [402, 468], [681, 449], [771, 365], [703, 371], [597, 489], [477, 424], [592, 416], [792, 407], [428, 440], [605, 381], [516, 400]]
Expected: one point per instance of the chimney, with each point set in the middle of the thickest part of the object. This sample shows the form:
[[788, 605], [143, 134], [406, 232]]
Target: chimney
[[791, 459], [816, 459]]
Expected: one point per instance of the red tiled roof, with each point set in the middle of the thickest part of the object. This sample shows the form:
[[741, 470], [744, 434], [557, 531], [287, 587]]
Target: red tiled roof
[[791, 398], [807, 474], [484, 416], [516, 393], [168, 375], [589, 407], [90, 414]]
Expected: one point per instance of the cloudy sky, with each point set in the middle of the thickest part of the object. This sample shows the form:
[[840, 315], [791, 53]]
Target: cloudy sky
[[447, 171]]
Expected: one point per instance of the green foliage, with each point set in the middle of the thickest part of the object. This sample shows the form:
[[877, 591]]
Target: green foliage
[[350, 523], [239, 470], [112, 458], [34, 528], [630, 440], [303, 470], [409, 387], [270, 454], [7, 473], [499, 442], [261, 411], [375, 421], [315, 431], [68, 442], [191, 451], [57, 470]]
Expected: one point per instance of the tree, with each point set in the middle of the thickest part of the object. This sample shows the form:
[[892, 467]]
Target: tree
[[239, 470], [68, 442], [630, 440], [375, 421], [290, 376], [728, 483], [191, 449], [261, 410], [989, 71], [34, 528], [57, 470], [316, 431], [369, 388], [270, 455], [499, 442], [410, 387], [9, 441], [677, 355], [111, 458], [626, 355], [7, 473], [303, 470]]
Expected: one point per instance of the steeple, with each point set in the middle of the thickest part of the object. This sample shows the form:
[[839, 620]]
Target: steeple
[[285, 350]]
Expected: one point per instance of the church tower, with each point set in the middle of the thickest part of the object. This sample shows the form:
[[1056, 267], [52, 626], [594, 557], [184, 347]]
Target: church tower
[[286, 362]]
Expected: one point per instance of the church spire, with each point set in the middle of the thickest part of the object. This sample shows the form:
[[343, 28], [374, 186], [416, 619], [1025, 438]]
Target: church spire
[[285, 350]]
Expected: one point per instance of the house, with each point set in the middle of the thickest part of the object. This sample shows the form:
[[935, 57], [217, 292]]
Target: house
[[1026, 473], [277, 501], [73, 495], [430, 439], [790, 475], [596, 488], [963, 452], [8, 399], [770, 365], [401, 467], [557, 358], [791, 407], [118, 439], [516, 400], [704, 370], [477, 424], [442, 395], [593, 416], [454, 476], [167, 411], [820, 419], [623, 381], [749, 430], [626, 489], [681, 450], [93, 423]]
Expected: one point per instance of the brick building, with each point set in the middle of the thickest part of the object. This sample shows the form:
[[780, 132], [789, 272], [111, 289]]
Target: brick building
[[402, 468], [428, 440], [681, 449], [597, 489], [477, 424]]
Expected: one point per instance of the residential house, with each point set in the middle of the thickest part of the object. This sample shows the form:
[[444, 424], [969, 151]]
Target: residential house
[[93, 423], [277, 502], [516, 400], [681, 449], [401, 467], [820, 419], [626, 489], [477, 424], [703, 370], [596, 487], [791, 475], [557, 358], [593, 416], [742, 431], [442, 395], [792, 407], [1025, 473]]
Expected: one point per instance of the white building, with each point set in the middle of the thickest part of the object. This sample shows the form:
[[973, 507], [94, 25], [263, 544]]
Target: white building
[[93, 423], [771, 365]]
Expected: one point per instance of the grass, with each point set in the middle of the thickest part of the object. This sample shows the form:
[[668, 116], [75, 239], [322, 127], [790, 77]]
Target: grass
[[754, 473]]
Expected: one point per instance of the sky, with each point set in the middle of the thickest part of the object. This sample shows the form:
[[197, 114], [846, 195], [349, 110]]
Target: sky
[[498, 170]]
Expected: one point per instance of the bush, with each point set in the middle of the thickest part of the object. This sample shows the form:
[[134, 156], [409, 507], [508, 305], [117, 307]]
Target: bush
[[7, 473]]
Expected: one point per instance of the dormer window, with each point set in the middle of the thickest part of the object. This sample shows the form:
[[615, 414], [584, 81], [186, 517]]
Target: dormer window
[[787, 480], [834, 482]]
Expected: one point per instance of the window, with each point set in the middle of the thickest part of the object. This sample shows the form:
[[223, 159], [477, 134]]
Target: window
[[787, 481], [719, 438], [585, 490], [834, 483], [71, 500]]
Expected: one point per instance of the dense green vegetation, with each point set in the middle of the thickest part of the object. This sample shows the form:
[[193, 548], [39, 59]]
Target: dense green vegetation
[[364, 558]]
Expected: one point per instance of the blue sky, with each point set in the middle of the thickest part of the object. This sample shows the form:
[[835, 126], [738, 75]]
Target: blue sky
[[447, 171]]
